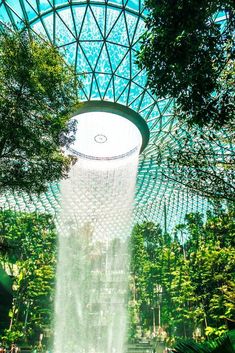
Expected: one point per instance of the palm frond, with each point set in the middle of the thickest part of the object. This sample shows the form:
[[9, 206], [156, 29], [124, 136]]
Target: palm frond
[[224, 344]]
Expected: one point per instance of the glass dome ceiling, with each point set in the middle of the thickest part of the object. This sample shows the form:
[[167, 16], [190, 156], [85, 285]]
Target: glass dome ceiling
[[100, 38]]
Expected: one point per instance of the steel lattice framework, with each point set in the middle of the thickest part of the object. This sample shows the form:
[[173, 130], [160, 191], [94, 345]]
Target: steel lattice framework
[[101, 38]]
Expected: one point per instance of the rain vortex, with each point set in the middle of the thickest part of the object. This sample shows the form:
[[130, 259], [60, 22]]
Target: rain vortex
[[93, 262]]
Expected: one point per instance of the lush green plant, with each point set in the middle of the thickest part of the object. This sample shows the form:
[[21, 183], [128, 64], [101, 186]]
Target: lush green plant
[[190, 57], [183, 285], [225, 344], [28, 243], [38, 92], [204, 162]]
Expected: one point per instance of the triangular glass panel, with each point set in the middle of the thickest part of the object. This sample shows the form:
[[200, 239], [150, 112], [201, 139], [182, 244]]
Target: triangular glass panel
[[103, 64], [31, 4], [69, 52], [118, 33], [114, 1], [124, 68], [132, 22], [154, 124], [66, 16], [167, 122], [94, 92], [58, 2], [109, 94], [62, 33], [139, 31], [146, 113], [162, 104], [133, 4], [142, 7], [154, 113], [3, 14], [31, 10], [103, 81], [87, 84], [44, 5], [121, 95], [92, 51], [18, 21], [136, 45], [147, 101], [136, 95], [119, 84], [99, 15], [134, 67], [39, 29], [82, 63], [82, 95], [48, 21], [116, 54], [169, 107], [90, 29], [79, 13], [111, 18], [17, 9], [141, 79], [137, 103]]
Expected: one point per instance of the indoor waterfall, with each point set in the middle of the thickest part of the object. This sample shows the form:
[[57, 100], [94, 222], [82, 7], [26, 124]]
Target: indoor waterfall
[[93, 260]]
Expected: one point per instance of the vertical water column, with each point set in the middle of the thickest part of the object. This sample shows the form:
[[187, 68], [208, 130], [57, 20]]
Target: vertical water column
[[93, 259]]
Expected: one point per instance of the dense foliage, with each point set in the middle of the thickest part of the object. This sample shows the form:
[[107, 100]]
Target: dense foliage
[[204, 162], [27, 251], [189, 56], [38, 91], [225, 344], [188, 53], [183, 286]]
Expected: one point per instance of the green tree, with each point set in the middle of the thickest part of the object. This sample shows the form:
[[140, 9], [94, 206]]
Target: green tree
[[153, 260], [211, 256], [190, 57], [204, 162], [186, 280], [38, 93], [139, 261], [29, 241]]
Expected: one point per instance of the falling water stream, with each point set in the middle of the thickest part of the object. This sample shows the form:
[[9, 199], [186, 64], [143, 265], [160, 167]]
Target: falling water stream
[[93, 260]]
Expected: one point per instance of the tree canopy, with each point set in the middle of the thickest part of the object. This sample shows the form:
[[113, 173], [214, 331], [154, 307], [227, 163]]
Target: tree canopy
[[203, 161], [28, 253], [189, 56], [38, 92], [188, 53], [182, 285]]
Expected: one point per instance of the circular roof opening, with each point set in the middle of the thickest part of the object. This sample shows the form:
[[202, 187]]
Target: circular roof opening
[[105, 136], [108, 131]]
